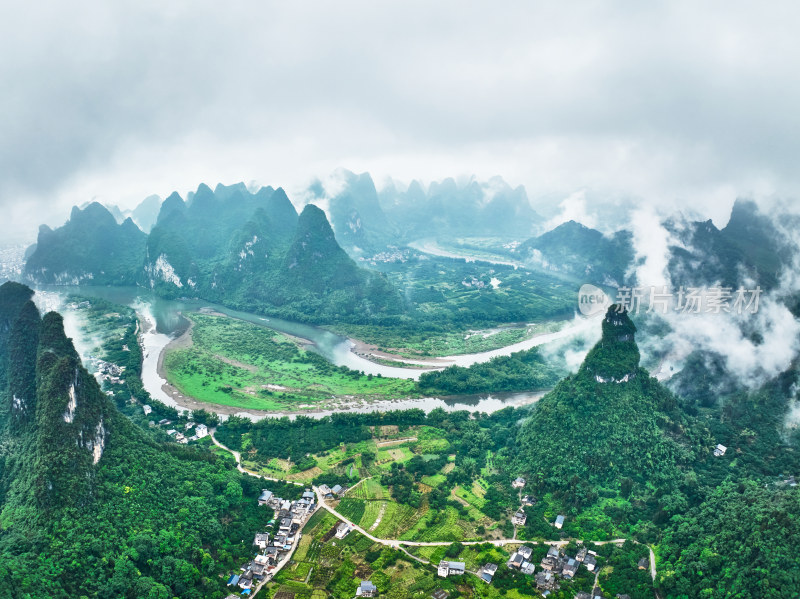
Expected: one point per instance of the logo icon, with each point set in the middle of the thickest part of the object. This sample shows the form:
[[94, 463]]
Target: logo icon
[[592, 300]]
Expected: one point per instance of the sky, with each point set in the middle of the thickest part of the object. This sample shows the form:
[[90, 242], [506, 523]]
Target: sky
[[679, 105]]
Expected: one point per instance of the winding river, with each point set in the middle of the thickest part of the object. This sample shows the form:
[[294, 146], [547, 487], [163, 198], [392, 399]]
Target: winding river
[[162, 321]]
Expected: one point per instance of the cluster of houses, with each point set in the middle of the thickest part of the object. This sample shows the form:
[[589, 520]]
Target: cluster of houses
[[473, 281], [391, 255], [290, 517], [107, 371], [332, 492], [520, 517], [520, 560], [556, 565], [200, 431]]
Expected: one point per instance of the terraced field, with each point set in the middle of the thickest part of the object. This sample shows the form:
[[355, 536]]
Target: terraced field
[[396, 520], [369, 489]]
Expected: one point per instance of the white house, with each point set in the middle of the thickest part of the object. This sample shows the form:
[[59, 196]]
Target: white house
[[518, 482], [146, 409], [201, 431], [451, 568], [559, 521], [519, 518], [342, 530], [366, 589], [720, 450]]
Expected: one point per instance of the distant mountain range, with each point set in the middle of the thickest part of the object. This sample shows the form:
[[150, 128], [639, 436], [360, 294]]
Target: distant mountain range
[[144, 215], [248, 250], [367, 220], [253, 250]]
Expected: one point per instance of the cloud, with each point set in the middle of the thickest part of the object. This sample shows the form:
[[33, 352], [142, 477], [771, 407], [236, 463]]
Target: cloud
[[692, 104], [751, 361]]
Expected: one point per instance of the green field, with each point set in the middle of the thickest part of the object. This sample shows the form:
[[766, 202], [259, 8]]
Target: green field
[[235, 363]]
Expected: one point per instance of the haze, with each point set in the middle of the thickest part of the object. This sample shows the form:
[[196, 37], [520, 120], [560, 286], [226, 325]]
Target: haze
[[673, 104]]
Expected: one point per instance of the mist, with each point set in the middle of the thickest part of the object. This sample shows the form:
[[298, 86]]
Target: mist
[[667, 104]]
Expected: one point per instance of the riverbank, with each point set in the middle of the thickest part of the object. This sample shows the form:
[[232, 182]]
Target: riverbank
[[352, 403], [234, 343]]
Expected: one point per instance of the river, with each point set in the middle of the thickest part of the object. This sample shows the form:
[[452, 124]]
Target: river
[[163, 320]]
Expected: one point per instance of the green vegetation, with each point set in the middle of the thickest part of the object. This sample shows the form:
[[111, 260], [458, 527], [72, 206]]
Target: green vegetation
[[231, 362], [91, 248], [92, 505], [741, 542], [521, 371], [576, 250]]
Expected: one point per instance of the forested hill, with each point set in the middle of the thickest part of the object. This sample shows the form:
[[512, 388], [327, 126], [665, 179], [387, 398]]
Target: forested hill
[[610, 424], [90, 248], [613, 442], [91, 505], [574, 249], [228, 246]]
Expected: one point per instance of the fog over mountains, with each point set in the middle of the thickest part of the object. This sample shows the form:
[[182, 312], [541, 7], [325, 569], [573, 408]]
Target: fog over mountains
[[259, 246]]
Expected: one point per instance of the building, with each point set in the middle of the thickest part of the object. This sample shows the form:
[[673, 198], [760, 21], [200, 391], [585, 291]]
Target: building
[[146, 409], [590, 562], [366, 589], [337, 490], [644, 563], [527, 568], [487, 572], [265, 497], [262, 540], [325, 491], [546, 581], [285, 526], [515, 561], [518, 483], [552, 560], [342, 530], [233, 580], [720, 450], [559, 521], [528, 500], [451, 568], [246, 580], [597, 593], [519, 518], [201, 431], [570, 567]]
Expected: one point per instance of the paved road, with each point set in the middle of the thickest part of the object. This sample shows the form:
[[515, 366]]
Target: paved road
[[401, 545]]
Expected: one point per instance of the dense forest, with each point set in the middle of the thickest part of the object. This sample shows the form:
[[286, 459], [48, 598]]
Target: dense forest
[[92, 505], [521, 371]]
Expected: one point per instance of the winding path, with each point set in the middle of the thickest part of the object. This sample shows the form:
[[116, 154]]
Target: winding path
[[401, 545]]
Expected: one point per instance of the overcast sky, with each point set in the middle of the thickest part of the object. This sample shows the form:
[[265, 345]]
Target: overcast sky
[[675, 103]]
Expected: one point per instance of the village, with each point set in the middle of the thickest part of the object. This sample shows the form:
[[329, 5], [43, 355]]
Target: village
[[273, 551]]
